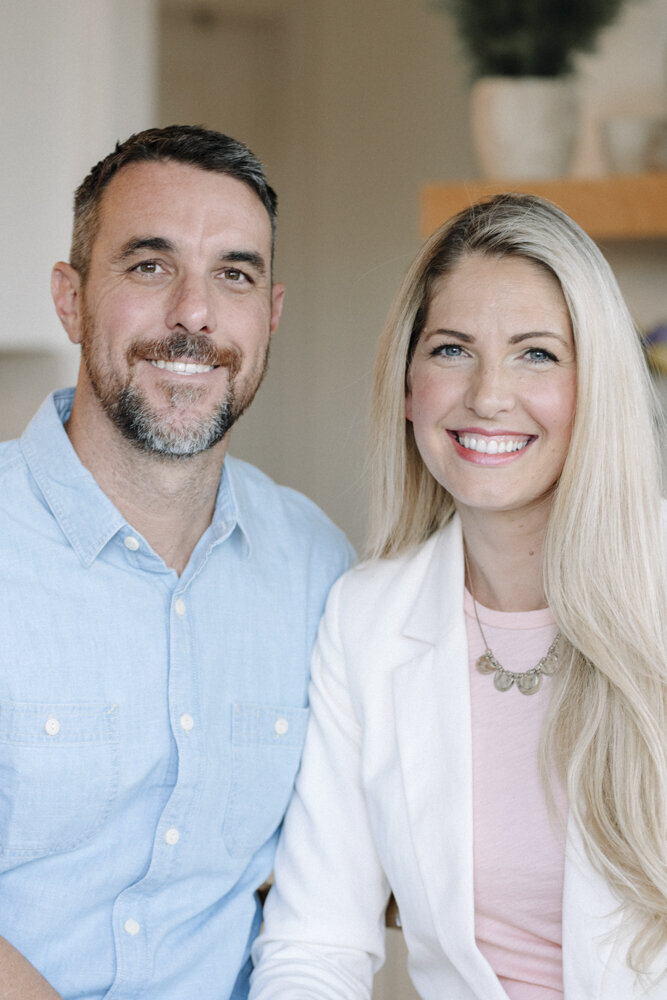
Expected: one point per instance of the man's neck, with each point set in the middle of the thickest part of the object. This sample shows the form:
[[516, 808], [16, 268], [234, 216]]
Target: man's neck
[[169, 501]]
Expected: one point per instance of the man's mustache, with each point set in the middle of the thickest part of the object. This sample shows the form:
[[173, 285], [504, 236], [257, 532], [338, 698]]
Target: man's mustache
[[194, 347]]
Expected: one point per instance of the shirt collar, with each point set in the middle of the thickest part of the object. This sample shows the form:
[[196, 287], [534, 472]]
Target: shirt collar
[[231, 506], [84, 512]]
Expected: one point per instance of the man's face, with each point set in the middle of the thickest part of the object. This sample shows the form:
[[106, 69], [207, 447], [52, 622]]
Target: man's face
[[177, 311]]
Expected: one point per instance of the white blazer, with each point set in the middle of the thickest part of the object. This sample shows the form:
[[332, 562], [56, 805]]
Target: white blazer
[[384, 803]]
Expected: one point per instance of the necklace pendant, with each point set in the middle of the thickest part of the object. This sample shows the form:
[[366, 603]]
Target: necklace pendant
[[550, 663], [503, 680], [529, 683], [485, 664]]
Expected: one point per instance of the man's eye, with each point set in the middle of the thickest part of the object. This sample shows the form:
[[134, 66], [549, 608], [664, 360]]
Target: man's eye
[[147, 267], [233, 274]]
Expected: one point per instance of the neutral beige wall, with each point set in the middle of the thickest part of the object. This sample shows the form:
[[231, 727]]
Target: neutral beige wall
[[352, 106]]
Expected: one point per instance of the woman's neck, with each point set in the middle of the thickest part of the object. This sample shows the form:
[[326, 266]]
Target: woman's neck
[[504, 566]]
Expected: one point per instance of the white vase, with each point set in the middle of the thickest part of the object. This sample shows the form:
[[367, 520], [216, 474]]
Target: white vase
[[524, 127]]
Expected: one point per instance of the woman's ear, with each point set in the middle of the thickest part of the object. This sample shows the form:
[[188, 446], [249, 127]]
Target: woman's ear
[[66, 294]]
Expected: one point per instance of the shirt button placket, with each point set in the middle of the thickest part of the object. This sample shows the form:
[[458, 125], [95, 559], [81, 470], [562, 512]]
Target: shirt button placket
[[181, 679], [172, 836], [186, 722]]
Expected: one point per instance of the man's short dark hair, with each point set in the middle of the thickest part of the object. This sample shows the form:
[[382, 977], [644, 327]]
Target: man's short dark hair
[[189, 144]]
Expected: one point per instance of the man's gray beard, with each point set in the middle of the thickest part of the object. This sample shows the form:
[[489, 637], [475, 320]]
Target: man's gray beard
[[151, 431], [138, 423]]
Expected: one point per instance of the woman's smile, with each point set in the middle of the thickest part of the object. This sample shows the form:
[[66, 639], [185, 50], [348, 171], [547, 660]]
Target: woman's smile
[[479, 446]]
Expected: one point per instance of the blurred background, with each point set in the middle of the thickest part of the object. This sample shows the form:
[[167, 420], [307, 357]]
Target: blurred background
[[353, 107]]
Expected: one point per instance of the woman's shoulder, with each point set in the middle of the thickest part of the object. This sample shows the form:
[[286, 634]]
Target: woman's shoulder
[[385, 589]]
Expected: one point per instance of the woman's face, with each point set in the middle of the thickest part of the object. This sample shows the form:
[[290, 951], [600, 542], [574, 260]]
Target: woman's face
[[492, 384]]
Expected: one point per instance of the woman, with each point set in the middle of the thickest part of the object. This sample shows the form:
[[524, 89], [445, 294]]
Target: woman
[[487, 737]]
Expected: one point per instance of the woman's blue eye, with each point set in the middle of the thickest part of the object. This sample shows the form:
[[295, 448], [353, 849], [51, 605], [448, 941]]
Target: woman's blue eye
[[448, 351], [538, 354]]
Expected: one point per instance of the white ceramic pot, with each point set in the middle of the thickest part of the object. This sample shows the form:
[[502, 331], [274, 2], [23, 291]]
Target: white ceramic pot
[[524, 127]]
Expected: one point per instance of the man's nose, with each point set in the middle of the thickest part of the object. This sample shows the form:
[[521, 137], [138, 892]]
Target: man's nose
[[191, 306]]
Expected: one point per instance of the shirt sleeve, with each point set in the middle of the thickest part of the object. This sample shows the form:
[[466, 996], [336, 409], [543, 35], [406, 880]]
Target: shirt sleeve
[[323, 936]]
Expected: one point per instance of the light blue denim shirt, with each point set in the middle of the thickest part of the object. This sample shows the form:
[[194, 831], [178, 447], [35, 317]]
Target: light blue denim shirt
[[150, 725]]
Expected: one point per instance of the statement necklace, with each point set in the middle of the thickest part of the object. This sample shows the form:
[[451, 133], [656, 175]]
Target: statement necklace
[[527, 682]]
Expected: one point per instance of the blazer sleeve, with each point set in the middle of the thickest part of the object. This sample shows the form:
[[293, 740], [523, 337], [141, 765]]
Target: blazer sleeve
[[323, 936]]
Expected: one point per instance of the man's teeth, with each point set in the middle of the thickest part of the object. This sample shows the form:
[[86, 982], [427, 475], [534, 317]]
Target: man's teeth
[[183, 367], [491, 446]]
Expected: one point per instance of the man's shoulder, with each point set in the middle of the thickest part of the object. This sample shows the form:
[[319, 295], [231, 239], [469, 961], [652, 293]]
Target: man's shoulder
[[264, 504]]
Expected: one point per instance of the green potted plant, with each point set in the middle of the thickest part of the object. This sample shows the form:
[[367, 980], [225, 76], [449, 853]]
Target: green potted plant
[[521, 55]]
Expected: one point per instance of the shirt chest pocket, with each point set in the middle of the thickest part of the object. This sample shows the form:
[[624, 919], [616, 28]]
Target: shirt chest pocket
[[58, 775], [266, 751]]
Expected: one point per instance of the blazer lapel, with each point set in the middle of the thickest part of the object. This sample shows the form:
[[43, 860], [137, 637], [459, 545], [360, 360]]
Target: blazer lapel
[[433, 730]]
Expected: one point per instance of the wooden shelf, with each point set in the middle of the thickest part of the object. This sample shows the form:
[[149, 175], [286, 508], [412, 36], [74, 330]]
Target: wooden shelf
[[618, 207]]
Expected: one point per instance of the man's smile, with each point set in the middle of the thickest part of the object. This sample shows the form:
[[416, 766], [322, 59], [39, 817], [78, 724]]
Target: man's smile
[[183, 367]]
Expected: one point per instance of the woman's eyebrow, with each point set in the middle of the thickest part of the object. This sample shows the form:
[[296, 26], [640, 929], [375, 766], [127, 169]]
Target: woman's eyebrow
[[444, 332], [519, 337]]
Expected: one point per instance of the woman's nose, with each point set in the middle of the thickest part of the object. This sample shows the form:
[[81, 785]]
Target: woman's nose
[[490, 391]]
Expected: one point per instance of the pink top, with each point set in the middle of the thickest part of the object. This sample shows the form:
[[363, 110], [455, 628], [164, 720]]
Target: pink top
[[519, 852]]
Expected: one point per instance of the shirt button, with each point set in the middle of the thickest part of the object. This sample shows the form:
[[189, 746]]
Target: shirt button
[[172, 836], [187, 722], [131, 927], [281, 726], [131, 543], [179, 607], [52, 727]]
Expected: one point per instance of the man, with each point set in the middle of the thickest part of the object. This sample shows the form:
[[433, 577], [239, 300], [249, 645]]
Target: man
[[160, 598]]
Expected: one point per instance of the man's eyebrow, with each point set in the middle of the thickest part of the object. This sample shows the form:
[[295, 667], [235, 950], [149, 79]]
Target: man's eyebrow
[[139, 243], [245, 257], [161, 245]]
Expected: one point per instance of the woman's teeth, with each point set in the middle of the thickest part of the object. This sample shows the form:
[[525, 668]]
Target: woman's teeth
[[491, 445], [183, 367]]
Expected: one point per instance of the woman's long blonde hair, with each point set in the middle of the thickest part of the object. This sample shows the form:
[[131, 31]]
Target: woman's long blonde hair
[[604, 557]]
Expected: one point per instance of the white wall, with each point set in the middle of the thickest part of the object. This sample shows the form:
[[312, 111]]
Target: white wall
[[75, 75]]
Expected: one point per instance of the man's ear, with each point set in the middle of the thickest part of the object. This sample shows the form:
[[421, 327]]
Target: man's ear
[[277, 297], [66, 292]]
